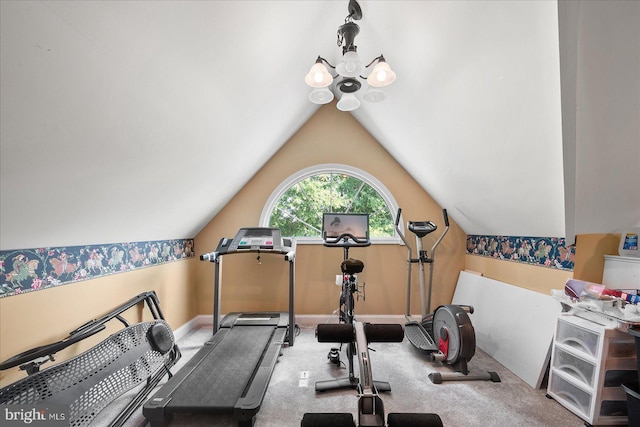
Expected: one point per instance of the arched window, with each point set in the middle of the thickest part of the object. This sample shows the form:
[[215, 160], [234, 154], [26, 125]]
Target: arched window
[[297, 205]]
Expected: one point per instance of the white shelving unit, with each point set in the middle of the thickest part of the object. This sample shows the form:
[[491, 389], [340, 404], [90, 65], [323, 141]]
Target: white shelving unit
[[588, 363]]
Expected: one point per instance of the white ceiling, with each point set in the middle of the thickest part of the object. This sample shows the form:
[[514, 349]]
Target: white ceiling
[[139, 120]]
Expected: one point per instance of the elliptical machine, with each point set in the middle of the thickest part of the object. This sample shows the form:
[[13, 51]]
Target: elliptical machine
[[446, 335]]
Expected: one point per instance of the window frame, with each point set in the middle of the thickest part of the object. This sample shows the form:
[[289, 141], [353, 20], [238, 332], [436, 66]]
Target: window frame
[[335, 168]]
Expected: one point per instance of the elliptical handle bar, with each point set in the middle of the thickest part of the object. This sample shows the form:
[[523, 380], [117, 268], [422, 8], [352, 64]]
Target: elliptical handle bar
[[398, 217], [400, 233], [446, 228]]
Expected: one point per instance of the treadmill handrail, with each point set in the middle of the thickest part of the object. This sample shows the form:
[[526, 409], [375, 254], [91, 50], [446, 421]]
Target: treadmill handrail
[[289, 253]]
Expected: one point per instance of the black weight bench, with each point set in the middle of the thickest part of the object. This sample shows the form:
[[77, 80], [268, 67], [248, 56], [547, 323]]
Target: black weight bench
[[340, 419], [370, 405]]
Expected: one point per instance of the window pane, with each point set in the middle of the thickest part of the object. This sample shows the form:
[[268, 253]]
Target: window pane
[[299, 210]]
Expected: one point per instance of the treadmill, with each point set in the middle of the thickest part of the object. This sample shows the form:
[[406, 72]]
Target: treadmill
[[231, 372]]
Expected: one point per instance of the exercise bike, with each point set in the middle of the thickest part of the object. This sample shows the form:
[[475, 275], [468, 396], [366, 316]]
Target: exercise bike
[[347, 231], [446, 335]]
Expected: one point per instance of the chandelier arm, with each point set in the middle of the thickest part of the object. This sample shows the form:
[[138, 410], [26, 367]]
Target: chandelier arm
[[374, 60], [325, 61]]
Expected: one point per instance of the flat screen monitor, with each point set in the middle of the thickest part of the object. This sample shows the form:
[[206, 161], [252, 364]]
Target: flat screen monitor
[[336, 224]]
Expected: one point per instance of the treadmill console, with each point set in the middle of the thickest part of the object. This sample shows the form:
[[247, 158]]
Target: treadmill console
[[257, 238], [254, 239]]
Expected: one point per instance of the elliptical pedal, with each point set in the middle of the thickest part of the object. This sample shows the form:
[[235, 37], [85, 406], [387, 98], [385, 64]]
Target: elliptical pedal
[[418, 336]]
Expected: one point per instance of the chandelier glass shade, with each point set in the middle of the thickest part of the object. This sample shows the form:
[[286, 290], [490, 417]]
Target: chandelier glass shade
[[348, 102], [350, 66], [382, 75], [348, 82], [374, 94], [321, 95], [318, 76]]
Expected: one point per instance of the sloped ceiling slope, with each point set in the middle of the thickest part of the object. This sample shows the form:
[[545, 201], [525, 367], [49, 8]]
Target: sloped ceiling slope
[[140, 120]]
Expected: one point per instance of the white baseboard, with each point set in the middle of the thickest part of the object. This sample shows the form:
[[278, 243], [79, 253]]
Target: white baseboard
[[193, 324], [303, 320], [316, 319]]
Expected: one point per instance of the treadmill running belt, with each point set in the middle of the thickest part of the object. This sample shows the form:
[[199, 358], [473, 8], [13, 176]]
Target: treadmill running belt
[[222, 376]]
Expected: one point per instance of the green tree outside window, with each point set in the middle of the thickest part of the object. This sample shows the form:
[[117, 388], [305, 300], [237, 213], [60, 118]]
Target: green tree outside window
[[298, 211]]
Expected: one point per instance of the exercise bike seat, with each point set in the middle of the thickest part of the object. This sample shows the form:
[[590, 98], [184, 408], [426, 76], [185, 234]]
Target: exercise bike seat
[[352, 266]]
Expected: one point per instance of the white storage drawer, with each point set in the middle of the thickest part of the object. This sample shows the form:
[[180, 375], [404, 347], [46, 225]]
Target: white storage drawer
[[577, 337], [589, 362], [571, 395], [574, 366]]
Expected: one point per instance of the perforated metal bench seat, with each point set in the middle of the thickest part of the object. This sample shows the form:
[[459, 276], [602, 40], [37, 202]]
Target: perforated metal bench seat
[[93, 379]]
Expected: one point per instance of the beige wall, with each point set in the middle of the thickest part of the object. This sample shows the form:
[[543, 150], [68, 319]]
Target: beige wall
[[334, 137], [535, 278], [185, 288], [330, 136], [46, 316], [590, 252]]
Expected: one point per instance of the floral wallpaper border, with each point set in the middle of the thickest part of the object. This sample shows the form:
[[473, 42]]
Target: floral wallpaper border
[[28, 270], [550, 252]]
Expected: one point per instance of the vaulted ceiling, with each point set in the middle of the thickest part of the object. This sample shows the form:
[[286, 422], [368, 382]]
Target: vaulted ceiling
[[140, 120]]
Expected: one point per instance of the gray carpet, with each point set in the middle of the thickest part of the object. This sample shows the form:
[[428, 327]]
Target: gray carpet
[[291, 392]]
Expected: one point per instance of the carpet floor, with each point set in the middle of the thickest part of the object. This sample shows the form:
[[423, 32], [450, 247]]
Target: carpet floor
[[291, 392]]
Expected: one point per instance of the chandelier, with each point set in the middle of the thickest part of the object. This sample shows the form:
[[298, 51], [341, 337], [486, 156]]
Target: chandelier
[[348, 79]]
